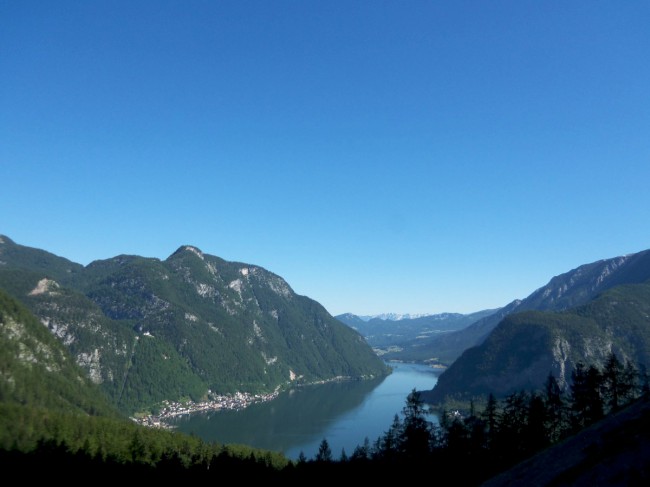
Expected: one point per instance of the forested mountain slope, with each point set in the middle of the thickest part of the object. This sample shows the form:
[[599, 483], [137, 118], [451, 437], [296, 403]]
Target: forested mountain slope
[[189, 326], [526, 347], [36, 369], [570, 289]]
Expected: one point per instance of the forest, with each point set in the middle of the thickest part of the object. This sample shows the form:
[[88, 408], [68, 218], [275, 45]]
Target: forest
[[472, 446]]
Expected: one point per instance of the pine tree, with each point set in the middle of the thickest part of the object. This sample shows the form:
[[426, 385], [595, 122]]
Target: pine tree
[[536, 424], [555, 409], [344, 456], [612, 382], [513, 422], [416, 431], [586, 399], [302, 458], [490, 415], [390, 444], [362, 452], [324, 452]]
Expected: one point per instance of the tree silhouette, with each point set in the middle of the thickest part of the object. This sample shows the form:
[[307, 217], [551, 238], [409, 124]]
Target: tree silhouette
[[586, 399], [556, 409], [490, 415], [324, 452], [390, 445], [416, 436], [362, 452], [612, 379]]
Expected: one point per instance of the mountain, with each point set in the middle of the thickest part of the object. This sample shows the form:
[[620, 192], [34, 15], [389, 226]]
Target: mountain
[[395, 316], [36, 369], [401, 337], [55, 421], [527, 346], [189, 326], [567, 290]]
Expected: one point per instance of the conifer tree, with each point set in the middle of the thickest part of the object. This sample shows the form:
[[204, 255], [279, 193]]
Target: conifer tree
[[586, 399], [362, 452], [324, 452], [490, 415], [390, 444], [612, 378], [555, 409], [513, 422], [536, 433], [344, 456], [416, 435]]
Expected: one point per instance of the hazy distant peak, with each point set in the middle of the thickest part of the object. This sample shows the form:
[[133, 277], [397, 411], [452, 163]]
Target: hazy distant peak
[[394, 316]]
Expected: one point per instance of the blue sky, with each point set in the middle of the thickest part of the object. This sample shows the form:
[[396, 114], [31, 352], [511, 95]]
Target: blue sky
[[381, 156]]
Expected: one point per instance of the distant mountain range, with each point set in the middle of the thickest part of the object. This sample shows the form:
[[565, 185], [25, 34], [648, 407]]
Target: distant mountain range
[[146, 330], [567, 290], [578, 316], [394, 316], [401, 338]]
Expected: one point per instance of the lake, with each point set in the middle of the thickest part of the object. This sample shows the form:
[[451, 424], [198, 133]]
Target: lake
[[344, 413]]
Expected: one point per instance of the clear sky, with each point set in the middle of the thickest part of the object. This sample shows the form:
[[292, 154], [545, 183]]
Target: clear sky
[[381, 156]]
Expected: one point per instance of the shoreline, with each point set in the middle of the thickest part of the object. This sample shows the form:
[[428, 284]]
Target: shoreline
[[236, 401], [172, 409]]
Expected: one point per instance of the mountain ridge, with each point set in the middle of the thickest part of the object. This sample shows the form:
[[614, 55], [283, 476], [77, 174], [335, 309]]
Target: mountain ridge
[[403, 339], [572, 288], [193, 324], [526, 346]]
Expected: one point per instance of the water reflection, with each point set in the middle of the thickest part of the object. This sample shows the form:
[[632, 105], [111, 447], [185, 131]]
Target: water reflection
[[297, 420]]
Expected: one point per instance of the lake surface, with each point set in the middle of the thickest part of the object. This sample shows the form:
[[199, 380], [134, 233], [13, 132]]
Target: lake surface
[[298, 420]]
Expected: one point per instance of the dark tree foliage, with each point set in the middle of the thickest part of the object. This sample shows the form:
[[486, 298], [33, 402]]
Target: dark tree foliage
[[536, 429], [612, 381], [504, 433], [587, 405], [513, 425], [470, 446], [390, 445], [416, 429], [324, 452], [490, 415], [556, 410], [361, 453]]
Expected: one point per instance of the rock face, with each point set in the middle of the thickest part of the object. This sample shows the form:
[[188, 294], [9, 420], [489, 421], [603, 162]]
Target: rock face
[[191, 325], [37, 371], [573, 288], [526, 347]]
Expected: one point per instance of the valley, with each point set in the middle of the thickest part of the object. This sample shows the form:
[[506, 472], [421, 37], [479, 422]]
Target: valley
[[197, 340]]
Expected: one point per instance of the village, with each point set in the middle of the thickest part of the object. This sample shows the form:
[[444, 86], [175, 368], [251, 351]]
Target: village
[[236, 401]]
